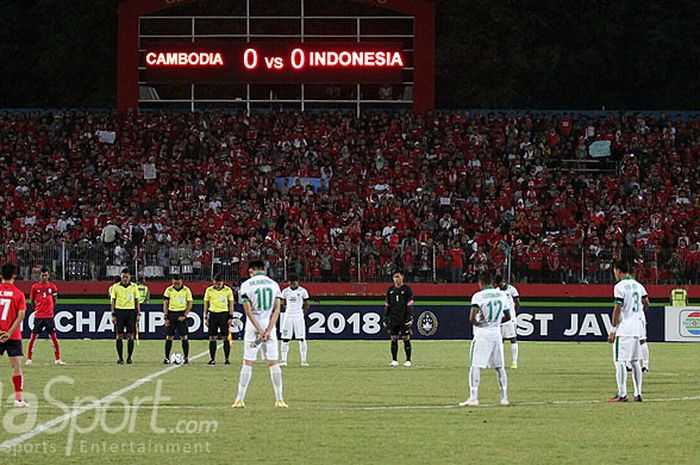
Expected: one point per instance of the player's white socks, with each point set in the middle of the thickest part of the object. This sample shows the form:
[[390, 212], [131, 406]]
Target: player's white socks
[[621, 378], [302, 350], [285, 351], [246, 373], [474, 380], [276, 377], [645, 356], [502, 382], [514, 352], [637, 378]]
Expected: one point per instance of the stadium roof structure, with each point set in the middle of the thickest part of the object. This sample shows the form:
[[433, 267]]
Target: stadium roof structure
[[423, 12]]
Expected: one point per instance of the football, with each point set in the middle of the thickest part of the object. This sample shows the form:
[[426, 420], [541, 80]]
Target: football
[[177, 358]]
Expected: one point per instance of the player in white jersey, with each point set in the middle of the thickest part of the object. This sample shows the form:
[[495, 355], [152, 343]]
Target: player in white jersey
[[643, 340], [631, 300], [296, 303], [644, 347], [509, 328], [260, 296], [489, 308]]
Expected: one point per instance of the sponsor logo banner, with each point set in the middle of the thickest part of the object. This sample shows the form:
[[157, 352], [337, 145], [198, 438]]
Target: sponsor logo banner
[[682, 324], [365, 322]]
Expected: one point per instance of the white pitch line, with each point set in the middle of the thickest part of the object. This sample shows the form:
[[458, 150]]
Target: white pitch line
[[405, 407], [517, 404], [10, 443]]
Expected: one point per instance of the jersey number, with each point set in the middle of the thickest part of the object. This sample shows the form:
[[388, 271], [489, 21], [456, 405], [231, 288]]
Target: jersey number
[[637, 301], [491, 306], [5, 304], [264, 299]]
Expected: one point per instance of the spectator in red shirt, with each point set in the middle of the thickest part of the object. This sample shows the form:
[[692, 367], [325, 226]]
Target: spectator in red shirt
[[456, 263], [442, 264], [554, 264], [534, 264], [408, 261]]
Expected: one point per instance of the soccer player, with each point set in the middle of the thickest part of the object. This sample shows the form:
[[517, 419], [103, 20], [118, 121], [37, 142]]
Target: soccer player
[[489, 309], [218, 314], [509, 328], [43, 297], [261, 298], [12, 309], [630, 299], [296, 304], [644, 347], [126, 312], [177, 303], [398, 317]]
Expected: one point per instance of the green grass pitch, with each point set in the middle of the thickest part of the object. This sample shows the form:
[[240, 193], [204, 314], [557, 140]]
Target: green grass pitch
[[349, 407]]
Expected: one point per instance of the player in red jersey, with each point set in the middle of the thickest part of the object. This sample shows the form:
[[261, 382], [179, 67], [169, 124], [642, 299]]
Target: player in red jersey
[[43, 296], [12, 310]]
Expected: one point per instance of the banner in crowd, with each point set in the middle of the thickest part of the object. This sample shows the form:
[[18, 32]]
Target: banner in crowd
[[365, 322], [682, 324], [599, 149], [315, 183]]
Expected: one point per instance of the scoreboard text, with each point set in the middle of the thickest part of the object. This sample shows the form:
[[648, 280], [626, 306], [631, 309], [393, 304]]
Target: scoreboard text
[[274, 63]]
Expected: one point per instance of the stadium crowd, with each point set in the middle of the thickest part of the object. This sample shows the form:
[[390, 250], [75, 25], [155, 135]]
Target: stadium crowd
[[441, 197]]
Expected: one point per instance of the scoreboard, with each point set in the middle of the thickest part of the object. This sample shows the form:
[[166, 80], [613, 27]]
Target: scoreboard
[[274, 62], [261, 55]]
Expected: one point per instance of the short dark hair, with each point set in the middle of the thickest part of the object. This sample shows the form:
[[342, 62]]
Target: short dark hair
[[256, 265], [218, 277], [293, 277], [176, 277], [485, 277], [125, 271], [623, 265], [8, 271], [398, 272], [498, 278], [44, 269]]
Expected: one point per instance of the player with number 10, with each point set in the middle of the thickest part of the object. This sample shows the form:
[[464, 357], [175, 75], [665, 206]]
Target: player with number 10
[[261, 297]]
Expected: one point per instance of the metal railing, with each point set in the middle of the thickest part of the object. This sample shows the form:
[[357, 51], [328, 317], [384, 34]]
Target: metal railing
[[370, 261]]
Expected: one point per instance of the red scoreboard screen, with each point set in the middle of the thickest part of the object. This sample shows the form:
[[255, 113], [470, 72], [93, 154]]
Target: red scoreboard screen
[[313, 62]]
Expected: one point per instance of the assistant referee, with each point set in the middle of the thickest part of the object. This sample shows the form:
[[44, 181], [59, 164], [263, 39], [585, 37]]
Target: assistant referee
[[218, 314], [126, 312], [177, 303]]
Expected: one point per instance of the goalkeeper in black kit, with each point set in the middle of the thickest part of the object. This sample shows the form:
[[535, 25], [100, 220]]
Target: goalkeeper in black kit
[[398, 317]]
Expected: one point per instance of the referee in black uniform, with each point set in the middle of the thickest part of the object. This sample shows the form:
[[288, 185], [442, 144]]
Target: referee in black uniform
[[398, 317]]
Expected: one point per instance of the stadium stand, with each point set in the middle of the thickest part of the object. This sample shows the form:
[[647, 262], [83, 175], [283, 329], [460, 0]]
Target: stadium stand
[[441, 198]]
